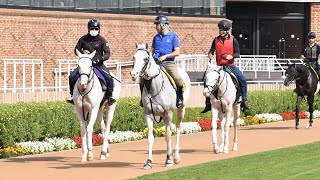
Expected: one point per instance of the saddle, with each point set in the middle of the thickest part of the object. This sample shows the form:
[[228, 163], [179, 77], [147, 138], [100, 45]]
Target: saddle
[[163, 69]]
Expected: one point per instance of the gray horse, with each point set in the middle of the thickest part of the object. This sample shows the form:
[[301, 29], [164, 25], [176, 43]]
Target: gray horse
[[159, 99]]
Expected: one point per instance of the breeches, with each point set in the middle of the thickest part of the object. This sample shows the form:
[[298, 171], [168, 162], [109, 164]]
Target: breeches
[[172, 69]]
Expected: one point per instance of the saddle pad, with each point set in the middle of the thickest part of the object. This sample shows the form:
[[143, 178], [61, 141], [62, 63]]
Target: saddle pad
[[99, 75], [169, 77]]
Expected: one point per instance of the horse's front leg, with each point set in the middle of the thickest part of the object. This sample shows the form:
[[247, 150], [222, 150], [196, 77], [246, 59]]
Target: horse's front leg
[[222, 127], [227, 127], [149, 121], [214, 112], [167, 120], [299, 99], [181, 112], [311, 108], [92, 118], [105, 152], [83, 135], [236, 116]]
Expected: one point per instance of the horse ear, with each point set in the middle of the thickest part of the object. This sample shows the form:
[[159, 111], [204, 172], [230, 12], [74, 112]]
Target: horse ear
[[146, 45], [136, 46], [92, 54], [78, 52]]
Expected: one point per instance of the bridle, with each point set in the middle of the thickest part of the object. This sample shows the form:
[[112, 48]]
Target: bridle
[[213, 88], [90, 78], [146, 66]]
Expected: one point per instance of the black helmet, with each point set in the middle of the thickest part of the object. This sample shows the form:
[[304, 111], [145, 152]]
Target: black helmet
[[224, 24], [161, 19], [312, 34], [93, 23]]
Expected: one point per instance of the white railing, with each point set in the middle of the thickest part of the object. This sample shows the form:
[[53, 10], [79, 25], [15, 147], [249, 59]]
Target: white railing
[[193, 63], [25, 63]]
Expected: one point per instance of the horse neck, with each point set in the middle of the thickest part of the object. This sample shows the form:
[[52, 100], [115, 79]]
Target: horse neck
[[226, 83]]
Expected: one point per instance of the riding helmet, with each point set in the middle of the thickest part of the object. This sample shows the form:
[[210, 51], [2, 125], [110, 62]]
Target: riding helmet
[[312, 34], [93, 23], [224, 24], [161, 19]]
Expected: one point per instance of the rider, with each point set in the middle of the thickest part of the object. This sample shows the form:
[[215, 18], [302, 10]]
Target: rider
[[310, 52], [87, 44], [226, 48], [165, 47]]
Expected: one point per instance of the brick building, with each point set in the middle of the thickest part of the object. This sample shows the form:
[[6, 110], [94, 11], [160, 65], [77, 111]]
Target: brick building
[[51, 34]]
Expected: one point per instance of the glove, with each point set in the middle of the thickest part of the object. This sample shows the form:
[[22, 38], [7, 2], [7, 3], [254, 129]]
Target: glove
[[97, 59]]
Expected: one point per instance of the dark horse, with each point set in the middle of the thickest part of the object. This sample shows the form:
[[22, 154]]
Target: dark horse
[[306, 85]]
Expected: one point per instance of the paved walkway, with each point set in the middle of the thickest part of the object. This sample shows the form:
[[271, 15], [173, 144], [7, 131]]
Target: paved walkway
[[127, 159]]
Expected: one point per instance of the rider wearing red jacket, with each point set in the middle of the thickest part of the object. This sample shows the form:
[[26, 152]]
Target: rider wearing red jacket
[[226, 48]]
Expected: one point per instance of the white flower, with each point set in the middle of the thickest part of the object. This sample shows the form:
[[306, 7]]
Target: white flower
[[315, 114], [123, 136], [187, 127], [270, 117]]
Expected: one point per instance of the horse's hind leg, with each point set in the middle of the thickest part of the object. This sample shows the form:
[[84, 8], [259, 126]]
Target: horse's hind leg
[[299, 99], [181, 112], [310, 103], [167, 120]]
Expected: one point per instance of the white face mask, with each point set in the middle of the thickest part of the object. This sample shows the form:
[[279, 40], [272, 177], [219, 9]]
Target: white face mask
[[93, 33]]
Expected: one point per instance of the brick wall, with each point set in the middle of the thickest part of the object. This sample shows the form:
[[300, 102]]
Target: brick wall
[[315, 19], [52, 35]]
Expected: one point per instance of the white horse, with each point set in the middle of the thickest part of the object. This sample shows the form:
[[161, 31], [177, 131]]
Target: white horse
[[224, 101], [159, 99], [87, 96]]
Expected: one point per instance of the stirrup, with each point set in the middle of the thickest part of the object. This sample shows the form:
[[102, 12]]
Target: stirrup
[[206, 109], [70, 101]]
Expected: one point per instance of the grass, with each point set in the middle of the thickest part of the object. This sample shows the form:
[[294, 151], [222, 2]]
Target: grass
[[298, 162]]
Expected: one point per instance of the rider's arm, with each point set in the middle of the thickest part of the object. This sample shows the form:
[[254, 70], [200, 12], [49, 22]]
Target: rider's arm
[[78, 46], [105, 49], [176, 48], [213, 47], [236, 49]]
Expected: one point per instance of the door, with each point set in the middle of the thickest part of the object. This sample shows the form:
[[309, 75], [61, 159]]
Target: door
[[242, 30], [282, 38]]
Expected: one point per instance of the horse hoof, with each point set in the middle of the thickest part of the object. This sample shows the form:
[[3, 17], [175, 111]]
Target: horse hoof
[[168, 162], [308, 127], [226, 151], [90, 156], [177, 161], [83, 159], [148, 164], [104, 155], [235, 149], [297, 126], [216, 151]]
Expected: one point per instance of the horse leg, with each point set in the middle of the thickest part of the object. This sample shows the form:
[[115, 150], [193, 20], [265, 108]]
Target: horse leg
[[167, 121], [223, 132], [226, 128], [105, 152], [149, 121], [92, 118], [181, 112], [310, 103], [214, 130], [236, 114], [299, 99], [83, 135]]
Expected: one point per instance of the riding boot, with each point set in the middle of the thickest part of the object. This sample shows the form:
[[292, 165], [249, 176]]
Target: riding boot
[[179, 97], [72, 83], [109, 89], [208, 105], [244, 104], [141, 91]]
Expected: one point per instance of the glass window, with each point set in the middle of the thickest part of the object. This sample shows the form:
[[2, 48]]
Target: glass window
[[3, 2], [86, 4], [111, 5], [41, 3], [63, 4], [171, 3], [19, 2]]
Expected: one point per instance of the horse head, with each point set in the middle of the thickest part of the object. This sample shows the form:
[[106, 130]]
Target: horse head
[[141, 59], [212, 78], [85, 68], [291, 74]]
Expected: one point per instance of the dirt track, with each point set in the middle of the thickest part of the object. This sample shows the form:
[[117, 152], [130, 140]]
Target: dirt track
[[127, 159]]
